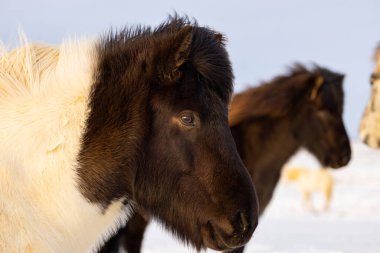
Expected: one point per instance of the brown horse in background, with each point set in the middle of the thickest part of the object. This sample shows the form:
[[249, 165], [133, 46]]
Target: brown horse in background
[[269, 124]]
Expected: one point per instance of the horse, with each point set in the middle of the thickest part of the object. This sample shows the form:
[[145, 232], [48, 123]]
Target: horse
[[269, 124], [138, 117], [310, 181], [370, 123]]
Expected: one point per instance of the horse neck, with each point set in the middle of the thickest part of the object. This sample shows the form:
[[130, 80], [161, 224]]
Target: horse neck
[[112, 150], [265, 145], [265, 141]]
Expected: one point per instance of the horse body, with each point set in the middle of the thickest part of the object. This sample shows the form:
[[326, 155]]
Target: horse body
[[266, 160], [309, 182], [81, 133], [303, 109]]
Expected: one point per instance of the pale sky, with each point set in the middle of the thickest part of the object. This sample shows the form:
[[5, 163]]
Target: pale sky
[[264, 37]]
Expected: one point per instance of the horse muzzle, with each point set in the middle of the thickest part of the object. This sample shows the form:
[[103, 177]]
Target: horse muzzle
[[227, 235], [340, 158]]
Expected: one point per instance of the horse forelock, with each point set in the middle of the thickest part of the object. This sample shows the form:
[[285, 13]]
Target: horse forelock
[[207, 49], [212, 62]]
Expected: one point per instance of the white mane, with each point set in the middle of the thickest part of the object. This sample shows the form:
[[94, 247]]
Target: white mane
[[26, 70], [44, 92]]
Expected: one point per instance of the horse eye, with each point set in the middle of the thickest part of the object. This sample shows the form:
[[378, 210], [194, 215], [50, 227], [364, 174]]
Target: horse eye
[[188, 119]]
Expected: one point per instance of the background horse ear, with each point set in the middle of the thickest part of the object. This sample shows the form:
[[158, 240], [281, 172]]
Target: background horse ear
[[376, 55], [174, 54], [340, 78], [317, 86]]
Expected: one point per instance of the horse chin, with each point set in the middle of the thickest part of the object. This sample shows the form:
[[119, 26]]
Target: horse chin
[[336, 162], [335, 165], [211, 239], [216, 239]]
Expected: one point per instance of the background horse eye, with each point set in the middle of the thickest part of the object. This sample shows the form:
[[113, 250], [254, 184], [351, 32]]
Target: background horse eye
[[187, 119], [372, 79]]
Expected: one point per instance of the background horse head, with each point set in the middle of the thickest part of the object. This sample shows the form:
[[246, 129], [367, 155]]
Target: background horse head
[[301, 109], [370, 123], [310, 103], [138, 117]]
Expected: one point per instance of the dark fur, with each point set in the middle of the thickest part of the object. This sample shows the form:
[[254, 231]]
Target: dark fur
[[271, 122], [137, 148]]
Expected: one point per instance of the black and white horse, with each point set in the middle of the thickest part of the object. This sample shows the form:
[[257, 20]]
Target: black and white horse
[[91, 128]]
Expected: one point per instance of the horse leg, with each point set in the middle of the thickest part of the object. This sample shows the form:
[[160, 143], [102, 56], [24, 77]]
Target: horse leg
[[134, 232], [306, 200], [328, 193]]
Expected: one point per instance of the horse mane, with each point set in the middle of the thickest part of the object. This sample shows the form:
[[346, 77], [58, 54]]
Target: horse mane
[[26, 70], [277, 97], [215, 70], [23, 67], [22, 70]]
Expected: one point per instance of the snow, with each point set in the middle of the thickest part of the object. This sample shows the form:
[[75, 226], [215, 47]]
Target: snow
[[352, 224]]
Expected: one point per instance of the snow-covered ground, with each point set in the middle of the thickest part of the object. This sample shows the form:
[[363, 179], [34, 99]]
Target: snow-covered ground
[[352, 225]]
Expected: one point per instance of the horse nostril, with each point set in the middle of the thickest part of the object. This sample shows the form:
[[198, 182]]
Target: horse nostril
[[245, 225]]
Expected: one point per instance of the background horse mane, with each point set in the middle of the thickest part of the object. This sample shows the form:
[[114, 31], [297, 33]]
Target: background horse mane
[[280, 96]]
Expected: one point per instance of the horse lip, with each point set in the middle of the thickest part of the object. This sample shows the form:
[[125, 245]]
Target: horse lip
[[327, 162], [216, 237], [336, 162], [335, 165]]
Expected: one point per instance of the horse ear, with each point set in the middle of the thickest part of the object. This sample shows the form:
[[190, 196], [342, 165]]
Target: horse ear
[[176, 53], [318, 82], [340, 78], [220, 39]]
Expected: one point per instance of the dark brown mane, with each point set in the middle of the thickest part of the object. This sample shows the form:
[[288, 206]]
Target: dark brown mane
[[205, 49], [280, 96]]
